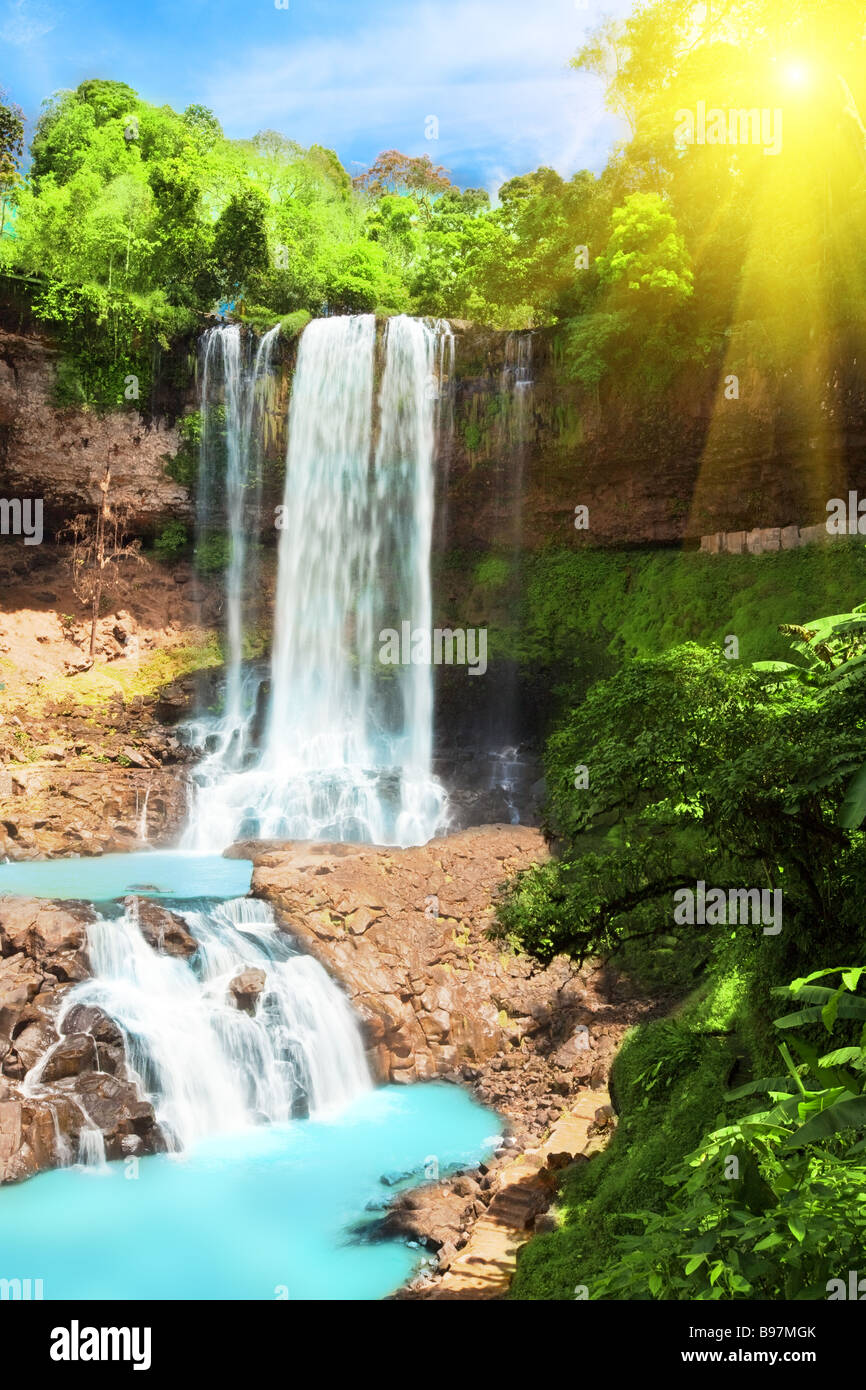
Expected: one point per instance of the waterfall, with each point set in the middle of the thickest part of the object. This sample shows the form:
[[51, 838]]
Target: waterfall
[[141, 828], [507, 768], [91, 1148], [347, 745], [233, 374], [207, 1066]]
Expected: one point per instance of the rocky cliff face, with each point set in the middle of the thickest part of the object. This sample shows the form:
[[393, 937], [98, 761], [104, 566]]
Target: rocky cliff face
[[687, 464], [511, 467], [60, 454]]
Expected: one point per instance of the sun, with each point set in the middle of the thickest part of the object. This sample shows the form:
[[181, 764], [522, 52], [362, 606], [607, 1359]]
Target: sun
[[797, 74]]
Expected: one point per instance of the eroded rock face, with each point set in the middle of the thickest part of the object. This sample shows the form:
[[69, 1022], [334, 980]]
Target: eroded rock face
[[47, 812], [404, 932], [59, 454]]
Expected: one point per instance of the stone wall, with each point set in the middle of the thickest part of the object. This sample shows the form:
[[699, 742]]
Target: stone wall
[[763, 539]]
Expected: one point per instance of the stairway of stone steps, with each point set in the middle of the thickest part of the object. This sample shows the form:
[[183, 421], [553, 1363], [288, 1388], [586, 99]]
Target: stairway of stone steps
[[485, 1267]]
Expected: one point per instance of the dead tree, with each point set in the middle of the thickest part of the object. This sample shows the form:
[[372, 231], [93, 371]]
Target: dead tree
[[99, 542]]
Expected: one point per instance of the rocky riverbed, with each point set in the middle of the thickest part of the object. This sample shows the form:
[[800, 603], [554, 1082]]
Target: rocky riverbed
[[406, 934]]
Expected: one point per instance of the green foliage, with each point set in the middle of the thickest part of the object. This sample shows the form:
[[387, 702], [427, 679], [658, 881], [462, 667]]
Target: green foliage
[[704, 768], [648, 269], [493, 572], [240, 241], [586, 611], [292, 325], [212, 554], [183, 466], [642, 281], [770, 1204], [172, 540], [698, 769]]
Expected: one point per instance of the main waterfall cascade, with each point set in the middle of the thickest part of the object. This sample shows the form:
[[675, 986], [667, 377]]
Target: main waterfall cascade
[[209, 1067], [347, 748]]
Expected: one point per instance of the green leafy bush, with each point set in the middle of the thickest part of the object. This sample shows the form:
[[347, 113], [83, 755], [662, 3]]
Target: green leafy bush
[[172, 540], [212, 554]]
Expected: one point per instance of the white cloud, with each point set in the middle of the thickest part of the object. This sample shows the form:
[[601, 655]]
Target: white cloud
[[25, 23], [494, 72]]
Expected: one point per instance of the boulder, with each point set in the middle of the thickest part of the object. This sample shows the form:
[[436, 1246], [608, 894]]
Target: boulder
[[73, 1055], [246, 988], [115, 1107], [52, 934], [163, 930]]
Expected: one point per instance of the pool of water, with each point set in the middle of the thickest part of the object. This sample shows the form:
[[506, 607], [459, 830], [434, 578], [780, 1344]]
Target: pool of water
[[268, 1213], [153, 874]]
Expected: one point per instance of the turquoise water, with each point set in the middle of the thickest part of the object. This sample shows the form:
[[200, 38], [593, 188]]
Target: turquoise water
[[266, 1214], [153, 874], [264, 1211]]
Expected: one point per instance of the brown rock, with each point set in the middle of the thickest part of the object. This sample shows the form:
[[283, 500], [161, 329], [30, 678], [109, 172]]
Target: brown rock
[[163, 930], [246, 988], [72, 1056], [54, 935]]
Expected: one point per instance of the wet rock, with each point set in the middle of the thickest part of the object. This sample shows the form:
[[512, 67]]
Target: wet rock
[[32, 1135], [30, 1043], [246, 988], [163, 930], [72, 1056], [87, 1018], [431, 1215], [115, 1107]]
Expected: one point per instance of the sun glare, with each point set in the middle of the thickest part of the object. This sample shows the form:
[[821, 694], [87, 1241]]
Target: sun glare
[[797, 74]]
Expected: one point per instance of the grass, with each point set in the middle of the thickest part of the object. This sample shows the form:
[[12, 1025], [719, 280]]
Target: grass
[[95, 688]]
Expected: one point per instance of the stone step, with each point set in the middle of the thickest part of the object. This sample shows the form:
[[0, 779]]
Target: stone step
[[485, 1267]]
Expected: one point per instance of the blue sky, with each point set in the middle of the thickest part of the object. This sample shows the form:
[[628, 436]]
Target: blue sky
[[357, 75]]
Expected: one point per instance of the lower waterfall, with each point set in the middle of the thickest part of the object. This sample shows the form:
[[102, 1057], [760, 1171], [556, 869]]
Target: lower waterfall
[[207, 1066]]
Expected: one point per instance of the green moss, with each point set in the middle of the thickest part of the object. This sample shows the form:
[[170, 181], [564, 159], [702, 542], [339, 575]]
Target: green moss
[[642, 603], [99, 686], [183, 466], [583, 612], [293, 324]]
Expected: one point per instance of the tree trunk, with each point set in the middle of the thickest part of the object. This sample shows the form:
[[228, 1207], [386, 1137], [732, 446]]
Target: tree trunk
[[101, 517]]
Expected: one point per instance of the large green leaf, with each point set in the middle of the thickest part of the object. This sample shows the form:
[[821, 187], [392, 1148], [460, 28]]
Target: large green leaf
[[844, 1114], [848, 1008], [853, 808]]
